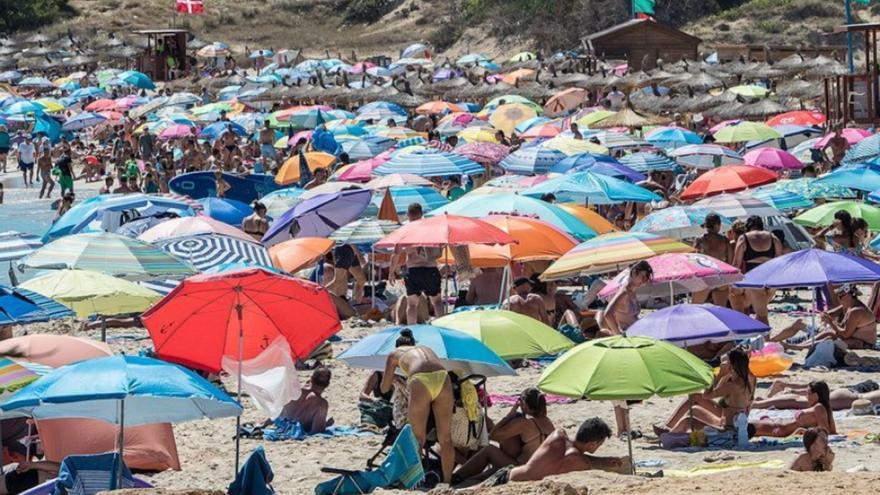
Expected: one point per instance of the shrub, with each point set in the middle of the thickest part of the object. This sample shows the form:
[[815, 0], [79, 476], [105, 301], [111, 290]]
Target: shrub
[[31, 14]]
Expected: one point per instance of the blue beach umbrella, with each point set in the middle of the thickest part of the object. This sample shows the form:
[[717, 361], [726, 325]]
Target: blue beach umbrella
[[864, 150], [532, 161], [429, 163], [24, 108], [781, 200], [228, 211], [403, 196], [18, 306], [672, 137], [213, 131], [860, 177], [136, 79], [811, 268], [677, 222], [457, 350], [366, 147], [592, 188], [88, 92], [82, 121], [599, 164], [648, 162], [692, 324]]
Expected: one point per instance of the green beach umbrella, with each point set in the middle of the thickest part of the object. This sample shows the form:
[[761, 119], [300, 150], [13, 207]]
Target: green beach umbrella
[[91, 293], [626, 368], [823, 215], [511, 335], [749, 90], [746, 131]]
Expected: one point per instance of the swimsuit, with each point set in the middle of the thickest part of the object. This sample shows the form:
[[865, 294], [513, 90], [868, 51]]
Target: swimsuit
[[432, 380], [752, 254]]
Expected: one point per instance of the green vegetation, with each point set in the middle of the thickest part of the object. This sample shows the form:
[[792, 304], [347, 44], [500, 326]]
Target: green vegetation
[[22, 15], [365, 10]]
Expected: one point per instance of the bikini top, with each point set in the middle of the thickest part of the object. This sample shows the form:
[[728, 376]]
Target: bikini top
[[753, 254]]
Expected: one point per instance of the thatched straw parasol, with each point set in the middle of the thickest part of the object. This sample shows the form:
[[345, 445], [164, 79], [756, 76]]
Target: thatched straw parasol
[[630, 118], [799, 89], [762, 109]]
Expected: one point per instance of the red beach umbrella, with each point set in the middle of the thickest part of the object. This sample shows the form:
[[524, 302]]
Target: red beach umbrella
[[445, 230], [729, 178]]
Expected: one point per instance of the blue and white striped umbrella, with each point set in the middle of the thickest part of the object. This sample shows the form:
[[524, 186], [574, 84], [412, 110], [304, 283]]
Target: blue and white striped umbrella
[[413, 141], [17, 245], [82, 121], [617, 140], [88, 92], [35, 82], [429, 163], [784, 201], [532, 161], [864, 150], [648, 162], [208, 251], [366, 147], [592, 188], [706, 156], [403, 196]]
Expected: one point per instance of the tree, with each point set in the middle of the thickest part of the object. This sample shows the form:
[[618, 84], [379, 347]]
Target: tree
[[22, 15]]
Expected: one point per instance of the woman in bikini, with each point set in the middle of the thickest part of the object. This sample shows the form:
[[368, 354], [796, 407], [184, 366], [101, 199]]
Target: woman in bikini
[[429, 391], [818, 414], [732, 394], [623, 309], [857, 326], [754, 248], [519, 434], [797, 396]]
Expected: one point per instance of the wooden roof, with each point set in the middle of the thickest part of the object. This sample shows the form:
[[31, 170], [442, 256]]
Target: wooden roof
[[161, 31], [634, 24]]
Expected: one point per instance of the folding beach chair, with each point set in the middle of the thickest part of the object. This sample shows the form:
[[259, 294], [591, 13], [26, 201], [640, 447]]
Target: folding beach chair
[[90, 474], [402, 468]]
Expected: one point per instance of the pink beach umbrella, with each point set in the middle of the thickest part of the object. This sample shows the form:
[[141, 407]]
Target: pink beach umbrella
[[679, 273], [724, 123], [362, 171], [851, 134], [299, 135], [773, 159], [483, 153], [176, 131]]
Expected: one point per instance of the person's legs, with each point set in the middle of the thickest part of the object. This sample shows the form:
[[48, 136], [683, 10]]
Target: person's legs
[[621, 418], [339, 285], [418, 409], [788, 401], [360, 280], [442, 408], [739, 301], [789, 331], [412, 309], [700, 296], [490, 457], [699, 418], [685, 406], [759, 299], [437, 303], [720, 296]]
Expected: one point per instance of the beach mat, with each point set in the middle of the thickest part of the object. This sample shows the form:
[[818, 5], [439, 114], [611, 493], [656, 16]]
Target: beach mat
[[722, 468]]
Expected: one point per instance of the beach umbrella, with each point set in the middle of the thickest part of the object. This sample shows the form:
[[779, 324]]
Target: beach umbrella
[[599, 164], [705, 156], [429, 163], [278, 202], [228, 211], [823, 215], [403, 196], [457, 351], [437, 108], [746, 131], [216, 49], [531, 161], [729, 178], [588, 217], [367, 147], [35, 82], [136, 79], [772, 159], [860, 178], [24, 108], [329, 187], [510, 335], [625, 368], [799, 117], [477, 134], [82, 121], [318, 216], [588, 187], [811, 268], [16, 245], [542, 131], [571, 146], [812, 188], [190, 226], [693, 324], [611, 252], [207, 251], [564, 101], [123, 390], [445, 230], [506, 117], [19, 306], [783, 201], [672, 137], [678, 273], [290, 172], [677, 222], [296, 254], [851, 134], [645, 162], [101, 105], [864, 150], [736, 206], [103, 252], [594, 117], [176, 131], [477, 206], [364, 231], [53, 351], [395, 180], [90, 293]]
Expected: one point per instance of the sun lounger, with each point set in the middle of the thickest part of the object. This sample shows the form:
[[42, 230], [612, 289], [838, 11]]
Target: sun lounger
[[90, 474]]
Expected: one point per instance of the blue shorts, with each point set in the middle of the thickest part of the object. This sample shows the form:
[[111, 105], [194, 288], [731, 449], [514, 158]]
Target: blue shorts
[[267, 150], [24, 167]]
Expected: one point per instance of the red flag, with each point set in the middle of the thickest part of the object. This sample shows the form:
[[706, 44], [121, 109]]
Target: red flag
[[190, 6]]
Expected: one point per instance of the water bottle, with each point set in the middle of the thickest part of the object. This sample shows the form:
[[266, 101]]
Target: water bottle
[[741, 423]]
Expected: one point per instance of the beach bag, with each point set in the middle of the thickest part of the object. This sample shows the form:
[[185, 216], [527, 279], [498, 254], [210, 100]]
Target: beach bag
[[675, 440], [467, 434]]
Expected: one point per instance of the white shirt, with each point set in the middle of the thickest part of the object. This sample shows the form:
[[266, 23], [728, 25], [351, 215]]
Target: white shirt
[[616, 99], [26, 152]]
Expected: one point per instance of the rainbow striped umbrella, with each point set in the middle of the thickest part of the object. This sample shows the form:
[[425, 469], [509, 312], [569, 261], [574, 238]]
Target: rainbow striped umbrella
[[14, 376], [611, 252], [111, 254]]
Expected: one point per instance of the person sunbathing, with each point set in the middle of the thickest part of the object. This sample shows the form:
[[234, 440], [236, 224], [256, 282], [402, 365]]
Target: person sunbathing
[[818, 414], [818, 456], [518, 435], [558, 455], [857, 327], [796, 396], [310, 409], [734, 389]]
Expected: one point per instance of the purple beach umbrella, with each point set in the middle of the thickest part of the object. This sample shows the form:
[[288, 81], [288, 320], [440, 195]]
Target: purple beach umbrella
[[692, 324], [319, 216], [811, 268]]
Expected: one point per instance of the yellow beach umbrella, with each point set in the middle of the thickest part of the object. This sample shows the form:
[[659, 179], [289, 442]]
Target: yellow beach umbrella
[[507, 116], [571, 146], [478, 135], [90, 293], [593, 117]]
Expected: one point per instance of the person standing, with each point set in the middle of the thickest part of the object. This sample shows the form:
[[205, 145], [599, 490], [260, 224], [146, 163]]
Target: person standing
[[44, 164], [421, 276], [65, 170], [5, 143], [713, 244], [26, 157]]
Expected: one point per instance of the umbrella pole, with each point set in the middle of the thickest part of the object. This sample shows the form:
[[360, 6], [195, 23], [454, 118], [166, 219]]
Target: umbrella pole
[[103, 328], [671, 295], [629, 443], [238, 309], [121, 441], [372, 277], [503, 284]]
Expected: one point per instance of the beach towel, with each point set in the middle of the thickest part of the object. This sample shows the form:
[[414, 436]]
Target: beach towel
[[255, 477], [722, 468], [285, 429], [375, 412], [270, 378], [785, 415], [509, 400]]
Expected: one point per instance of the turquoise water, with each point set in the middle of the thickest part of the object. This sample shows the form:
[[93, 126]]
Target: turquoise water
[[23, 212]]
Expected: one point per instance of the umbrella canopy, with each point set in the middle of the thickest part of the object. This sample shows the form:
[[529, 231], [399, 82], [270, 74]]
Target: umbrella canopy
[[536, 240], [672, 137], [207, 316], [429, 163], [207, 251], [678, 273], [861, 178], [445, 230], [783, 201], [693, 324], [851, 134], [625, 368], [482, 152], [648, 162], [318, 216], [729, 178], [364, 231], [477, 206], [506, 117], [53, 351], [811, 188], [823, 215], [531, 161], [599, 164], [457, 350], [736, 206], [190, 226], [394, 180], [564, 101], [811, 268], [82, 121], [588, 217], [746, 131], [136, 79], [772, 159], [152, 391], [588, 187], [297, 254], [228, 211], [17, 245], [610, 252], [677, 222], [799, 117], [706, 156], [107, 253], [571, 146], [19, 306], [290, 170], [510, 335], [403, 196], [90, 293]]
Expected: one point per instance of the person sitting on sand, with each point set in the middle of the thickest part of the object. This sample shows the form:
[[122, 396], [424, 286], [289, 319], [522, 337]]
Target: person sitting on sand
[[857, 327], [519, 435], [819, 413], [734, 390], [558, 455], [623, 309], [375, 406], [818, 456], [310, 409], [524, 302], [430, 390], [784, 395]]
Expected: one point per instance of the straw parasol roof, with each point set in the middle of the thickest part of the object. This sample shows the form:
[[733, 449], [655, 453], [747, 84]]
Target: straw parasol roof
[[697, 82], [799, 89], [628, 117], [762, 109]]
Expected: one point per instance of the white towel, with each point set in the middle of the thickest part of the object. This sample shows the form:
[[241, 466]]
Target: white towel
[[270, 378]]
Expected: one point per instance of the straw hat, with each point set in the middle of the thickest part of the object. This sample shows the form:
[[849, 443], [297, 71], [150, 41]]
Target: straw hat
[[861, 407]]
